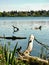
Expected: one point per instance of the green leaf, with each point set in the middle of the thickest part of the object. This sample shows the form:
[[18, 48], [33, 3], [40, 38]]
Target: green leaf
[[14, 52]]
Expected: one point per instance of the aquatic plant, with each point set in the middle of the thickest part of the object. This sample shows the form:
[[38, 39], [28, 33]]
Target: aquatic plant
[[8, 57], [42, 53]]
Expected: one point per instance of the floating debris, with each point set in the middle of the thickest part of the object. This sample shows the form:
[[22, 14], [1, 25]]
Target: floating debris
[[38, 27], [15, 29]]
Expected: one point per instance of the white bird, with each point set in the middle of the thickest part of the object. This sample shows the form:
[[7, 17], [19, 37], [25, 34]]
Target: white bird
[[30, 45]]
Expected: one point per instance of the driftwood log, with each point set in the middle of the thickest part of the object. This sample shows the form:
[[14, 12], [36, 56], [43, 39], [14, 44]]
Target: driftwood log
[[34, 60]]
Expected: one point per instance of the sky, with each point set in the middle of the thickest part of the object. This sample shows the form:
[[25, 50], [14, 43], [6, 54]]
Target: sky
[[24, 5]]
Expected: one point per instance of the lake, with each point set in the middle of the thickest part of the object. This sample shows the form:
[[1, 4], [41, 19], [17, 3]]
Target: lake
[[27, 26]]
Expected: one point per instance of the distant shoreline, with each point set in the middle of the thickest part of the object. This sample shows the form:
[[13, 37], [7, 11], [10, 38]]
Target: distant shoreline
[[24, 16], [42, 13]]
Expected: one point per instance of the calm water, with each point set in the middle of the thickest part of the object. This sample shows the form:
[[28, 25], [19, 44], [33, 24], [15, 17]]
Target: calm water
[[26, 27]]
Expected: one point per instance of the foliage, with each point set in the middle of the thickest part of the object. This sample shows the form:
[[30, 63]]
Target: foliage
[[24, 13], [8, 58], [43, 53]]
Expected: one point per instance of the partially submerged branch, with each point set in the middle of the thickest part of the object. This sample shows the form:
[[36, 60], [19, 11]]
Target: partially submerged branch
[[45, 46], [13, 37]]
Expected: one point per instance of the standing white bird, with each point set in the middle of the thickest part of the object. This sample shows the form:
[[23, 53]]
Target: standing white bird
[[30, 45]]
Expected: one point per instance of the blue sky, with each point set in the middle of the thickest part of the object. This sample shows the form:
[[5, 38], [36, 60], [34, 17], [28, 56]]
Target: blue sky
[[23, 5]]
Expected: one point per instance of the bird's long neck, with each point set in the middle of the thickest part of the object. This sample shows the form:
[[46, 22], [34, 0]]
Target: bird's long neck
[[30, 45]]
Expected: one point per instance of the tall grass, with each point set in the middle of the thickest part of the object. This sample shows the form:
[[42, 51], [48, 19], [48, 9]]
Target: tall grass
[[9, 58]]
